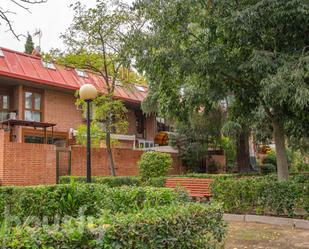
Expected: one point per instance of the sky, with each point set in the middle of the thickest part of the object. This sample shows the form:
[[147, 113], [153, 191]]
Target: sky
[[53, 18]]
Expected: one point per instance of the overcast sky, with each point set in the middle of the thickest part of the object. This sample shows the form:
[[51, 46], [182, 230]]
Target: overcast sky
[[53, 18]]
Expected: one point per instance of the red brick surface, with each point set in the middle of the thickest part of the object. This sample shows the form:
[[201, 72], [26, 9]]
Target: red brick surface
[[125, 162], [26, 164]]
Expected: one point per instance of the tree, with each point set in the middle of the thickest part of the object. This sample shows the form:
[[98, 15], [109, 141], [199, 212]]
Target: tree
[[4, 13], [195, 136], [29, 46], [108, 116], [257, 50], [102, 32]]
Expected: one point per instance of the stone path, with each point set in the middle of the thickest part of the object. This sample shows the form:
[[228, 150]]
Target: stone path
[[260, 236]]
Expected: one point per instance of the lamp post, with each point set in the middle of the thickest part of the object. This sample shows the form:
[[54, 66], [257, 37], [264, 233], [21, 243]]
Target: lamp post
[[88, 93]]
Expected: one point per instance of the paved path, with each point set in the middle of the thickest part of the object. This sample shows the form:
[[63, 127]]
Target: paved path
[[260, 236]]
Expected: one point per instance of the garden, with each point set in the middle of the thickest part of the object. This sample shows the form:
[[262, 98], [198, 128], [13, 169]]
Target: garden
[[140, 212]]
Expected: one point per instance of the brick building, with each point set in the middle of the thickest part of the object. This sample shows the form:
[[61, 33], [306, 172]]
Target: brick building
[[38, 111], [32, 90]]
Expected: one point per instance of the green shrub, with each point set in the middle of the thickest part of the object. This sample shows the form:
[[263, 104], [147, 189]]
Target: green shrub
[[264, 195], [118, 181], [302, 167], [154, 164], [221, 176], [270, 159], [267, 168], [213, 167], [180, 226], [107, 180], [50, 202]]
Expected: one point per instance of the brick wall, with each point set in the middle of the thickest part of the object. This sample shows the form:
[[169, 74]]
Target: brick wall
[[26, 164], [125, 162], [60, 109]]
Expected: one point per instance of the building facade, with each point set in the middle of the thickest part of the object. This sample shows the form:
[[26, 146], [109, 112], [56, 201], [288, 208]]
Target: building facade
[[32, 90]]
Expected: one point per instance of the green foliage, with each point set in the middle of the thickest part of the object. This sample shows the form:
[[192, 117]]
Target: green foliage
[[264, 196], [229, 146], [109, 181], [179, 226], [96, 135], [270, 158], [52, 202], [267, 168], [195, 135], [222, 176], [97, 40], [29, 46], [255, 51], [154, 164]]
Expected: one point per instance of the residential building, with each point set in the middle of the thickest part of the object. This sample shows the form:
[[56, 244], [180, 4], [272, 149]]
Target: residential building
[[39, 99]]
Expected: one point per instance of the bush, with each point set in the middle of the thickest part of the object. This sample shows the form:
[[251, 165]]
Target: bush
[[180, 226], [264, 196], [107, 180], [118, 181], [270, 158], [50, 202], [213, 167], [267, 168], [154, 164], [222, 176], [302, 167]]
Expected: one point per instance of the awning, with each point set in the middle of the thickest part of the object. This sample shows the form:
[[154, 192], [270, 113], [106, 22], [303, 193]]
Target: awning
[[17, 122]]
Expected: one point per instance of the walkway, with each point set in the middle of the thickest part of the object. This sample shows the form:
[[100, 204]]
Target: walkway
[[259, 236]]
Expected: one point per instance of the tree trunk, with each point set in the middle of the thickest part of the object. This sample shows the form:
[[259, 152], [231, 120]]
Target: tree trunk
[[243, 156], [281, 155], [110, 154]]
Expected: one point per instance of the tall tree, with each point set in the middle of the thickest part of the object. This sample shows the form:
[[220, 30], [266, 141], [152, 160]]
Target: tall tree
[[102, 32], [257, 50], [29, 46], [5, 13]]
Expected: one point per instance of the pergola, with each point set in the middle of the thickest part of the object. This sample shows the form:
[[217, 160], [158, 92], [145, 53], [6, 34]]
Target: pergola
[[10, 123]]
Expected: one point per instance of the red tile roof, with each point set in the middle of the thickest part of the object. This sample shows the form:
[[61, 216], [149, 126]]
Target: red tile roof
[[28, 67]]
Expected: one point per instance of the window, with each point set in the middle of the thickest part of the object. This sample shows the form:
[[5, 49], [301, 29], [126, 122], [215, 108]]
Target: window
[[48, 65], [140, 88], [4, 107], [37, 137], [81, 73], [1, 53], [140, 123], [33, 106]]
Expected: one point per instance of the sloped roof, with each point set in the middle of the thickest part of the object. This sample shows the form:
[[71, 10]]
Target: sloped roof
[[27, 67]]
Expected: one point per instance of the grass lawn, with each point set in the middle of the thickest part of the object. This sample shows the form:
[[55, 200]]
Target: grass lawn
[[261, 236]]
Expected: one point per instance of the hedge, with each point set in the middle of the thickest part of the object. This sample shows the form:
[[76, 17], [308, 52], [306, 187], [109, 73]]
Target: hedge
[[264, 196], [60, 200], [107, 180], [180, 226], [154, 182]]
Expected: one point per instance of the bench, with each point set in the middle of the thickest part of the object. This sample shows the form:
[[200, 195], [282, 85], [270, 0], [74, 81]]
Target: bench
[[197, 187]]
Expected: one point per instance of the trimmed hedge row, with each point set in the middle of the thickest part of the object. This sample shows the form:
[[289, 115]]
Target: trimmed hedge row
[[116, 181], [60, 200], [264, 196], [180, 226], [154, 182], [107, 180]]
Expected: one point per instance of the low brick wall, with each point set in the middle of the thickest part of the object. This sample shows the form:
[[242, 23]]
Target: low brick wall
[[125, 162], [26, 164]]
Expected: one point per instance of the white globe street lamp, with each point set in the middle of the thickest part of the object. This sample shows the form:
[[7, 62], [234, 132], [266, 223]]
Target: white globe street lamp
[[88, 93]]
